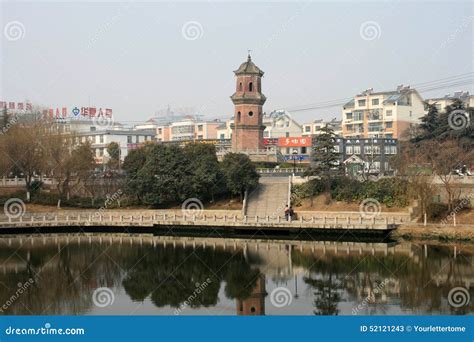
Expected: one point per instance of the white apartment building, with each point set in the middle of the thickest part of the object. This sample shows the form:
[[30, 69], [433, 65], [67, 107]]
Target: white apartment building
[[314, 128], [127, 139], [280, 124], [387, 114], [442, 102], [101, 134]]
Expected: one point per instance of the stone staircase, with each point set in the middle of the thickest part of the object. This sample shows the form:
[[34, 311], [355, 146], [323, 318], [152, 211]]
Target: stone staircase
[[269, 198]]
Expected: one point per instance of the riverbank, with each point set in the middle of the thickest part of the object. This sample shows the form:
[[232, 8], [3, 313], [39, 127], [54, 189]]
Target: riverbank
[[435, 232]]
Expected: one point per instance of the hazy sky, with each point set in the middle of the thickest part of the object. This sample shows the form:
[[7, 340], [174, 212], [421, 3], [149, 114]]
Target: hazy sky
[[139, 57]]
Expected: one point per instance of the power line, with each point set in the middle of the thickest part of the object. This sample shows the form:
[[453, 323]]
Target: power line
[[423, 87]]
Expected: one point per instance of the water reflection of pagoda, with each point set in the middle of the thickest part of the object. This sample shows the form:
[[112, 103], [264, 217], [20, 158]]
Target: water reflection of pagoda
[[255, 304]]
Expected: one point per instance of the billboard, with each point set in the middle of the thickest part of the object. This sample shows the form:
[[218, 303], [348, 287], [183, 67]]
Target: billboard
[[294, 142], [83, 112]]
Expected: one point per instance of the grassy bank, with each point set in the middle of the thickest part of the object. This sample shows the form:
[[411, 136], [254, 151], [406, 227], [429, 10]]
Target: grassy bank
[[434, 232]]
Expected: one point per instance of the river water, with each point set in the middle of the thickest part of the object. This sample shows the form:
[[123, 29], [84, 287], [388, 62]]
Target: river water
[[146, 275]]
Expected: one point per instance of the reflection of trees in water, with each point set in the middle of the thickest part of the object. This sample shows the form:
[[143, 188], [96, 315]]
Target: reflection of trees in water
[[403, 280], [65, 280], [171, 276], [326, 294]]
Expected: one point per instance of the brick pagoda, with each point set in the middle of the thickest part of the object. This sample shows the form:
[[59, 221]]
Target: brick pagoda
[[248, 100]]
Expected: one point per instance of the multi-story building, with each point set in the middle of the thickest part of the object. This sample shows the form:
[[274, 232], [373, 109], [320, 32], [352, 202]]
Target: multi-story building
[[189, 129], [442, 102], [371, 156], [387, 114], [224, 131], [314, 128], [127, 139], [280, 124]]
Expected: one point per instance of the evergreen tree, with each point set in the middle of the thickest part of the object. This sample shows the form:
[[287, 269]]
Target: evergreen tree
[[325, 160], [240, 173], [113, 150], [430, 124]]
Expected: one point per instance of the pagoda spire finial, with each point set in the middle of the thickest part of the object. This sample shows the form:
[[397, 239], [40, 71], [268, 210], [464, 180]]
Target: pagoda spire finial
[[248, 55]]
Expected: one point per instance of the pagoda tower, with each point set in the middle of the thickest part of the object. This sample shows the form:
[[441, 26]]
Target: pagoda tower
[[247, 129]]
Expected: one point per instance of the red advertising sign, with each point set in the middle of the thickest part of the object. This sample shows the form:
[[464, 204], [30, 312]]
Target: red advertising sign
[[294, 142], [270, 141]]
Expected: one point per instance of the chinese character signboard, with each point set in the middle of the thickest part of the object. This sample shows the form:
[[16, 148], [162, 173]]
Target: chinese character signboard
[[270, 141], [294, 142], [58, 112]]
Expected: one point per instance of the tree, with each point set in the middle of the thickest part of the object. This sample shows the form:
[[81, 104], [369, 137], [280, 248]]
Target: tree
[[113, 150], [325, 161], [166, 176], [240, 173], [23, 148], [207, 178], [133, 163], [430, 124], [69, 163]]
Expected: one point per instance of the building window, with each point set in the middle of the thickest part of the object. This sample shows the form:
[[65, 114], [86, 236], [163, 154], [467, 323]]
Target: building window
[[356, 149], [388, 124], [129, 139], [101, 139], [375, 102], [222, 136], [93, 129], [348, 116], [303, 150], [200, 128], [388, 113], [238, 116], [307, 129], [250, 113], [250, 86], [240, 86], [349, 150], [361, 103], [200, 137], [160, 130], [358, 115]]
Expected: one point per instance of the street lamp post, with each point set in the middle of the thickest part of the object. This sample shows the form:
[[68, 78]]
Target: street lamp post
[[295, 152]]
